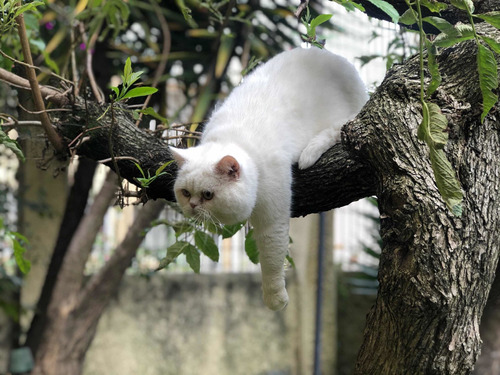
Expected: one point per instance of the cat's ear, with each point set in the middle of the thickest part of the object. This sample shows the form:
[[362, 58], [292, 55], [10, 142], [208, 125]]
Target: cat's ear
[[179, 155], [228, 166]]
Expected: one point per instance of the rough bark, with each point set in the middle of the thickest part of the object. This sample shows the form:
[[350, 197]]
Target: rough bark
[[74, 315], [436, 270], [75, 207]]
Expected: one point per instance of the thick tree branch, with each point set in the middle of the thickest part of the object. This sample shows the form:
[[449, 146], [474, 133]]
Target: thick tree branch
[[336, 180]]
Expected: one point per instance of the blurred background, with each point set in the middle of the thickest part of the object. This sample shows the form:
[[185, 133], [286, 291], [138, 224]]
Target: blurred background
[[176, 321]]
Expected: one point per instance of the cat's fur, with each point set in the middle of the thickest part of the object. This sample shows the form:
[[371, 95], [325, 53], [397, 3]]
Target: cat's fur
[[288, 110]]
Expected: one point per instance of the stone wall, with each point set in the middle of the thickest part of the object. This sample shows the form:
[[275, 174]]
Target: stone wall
[[191, 324]]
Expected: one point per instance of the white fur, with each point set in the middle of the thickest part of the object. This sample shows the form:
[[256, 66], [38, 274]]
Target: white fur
[[288, 110]]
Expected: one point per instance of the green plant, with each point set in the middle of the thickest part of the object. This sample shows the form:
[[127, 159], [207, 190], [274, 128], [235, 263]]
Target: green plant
[[311, 24], [146, 181], [12, 145], [19, 243]]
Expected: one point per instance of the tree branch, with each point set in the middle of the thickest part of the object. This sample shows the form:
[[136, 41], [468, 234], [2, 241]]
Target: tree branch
[[52, 135], [50, 94]]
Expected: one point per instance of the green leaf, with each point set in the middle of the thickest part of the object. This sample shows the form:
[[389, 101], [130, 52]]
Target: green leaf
[[11, 145], [387, 8], [149, 111], [140, 169], [251, 247], [230, 230], [433, 67], [408, 18], [467, 5], [322, 18], [23, 264], [350, 5], [446, 181], [492, 43], [172, 253], [139, 91], [116, 90], [207, 245], [433, 127], [443, 26], [163, 166], [433, 131], [434, 6], [130, 80], [193, 257], [182, 227], [445, 40], [127, 70], [493, 18], [488, 78]]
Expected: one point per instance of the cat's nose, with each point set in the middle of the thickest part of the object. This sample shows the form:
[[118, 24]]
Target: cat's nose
[[192, 204]]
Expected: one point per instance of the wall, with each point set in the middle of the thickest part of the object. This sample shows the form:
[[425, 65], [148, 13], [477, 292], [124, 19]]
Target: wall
[[217, 324], [191, 324]]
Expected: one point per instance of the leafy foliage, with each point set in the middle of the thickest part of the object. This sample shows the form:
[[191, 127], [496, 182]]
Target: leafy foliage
[[11, 145], [19, 243]]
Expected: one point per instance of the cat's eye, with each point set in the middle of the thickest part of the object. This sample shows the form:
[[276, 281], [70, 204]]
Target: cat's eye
[[186, 193], [207, 195]]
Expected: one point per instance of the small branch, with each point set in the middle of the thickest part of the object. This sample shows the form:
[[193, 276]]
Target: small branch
[[52, 135], [52, 95], [302, 6], [90, 72], [43, 70], [167, 42], [103, 161]]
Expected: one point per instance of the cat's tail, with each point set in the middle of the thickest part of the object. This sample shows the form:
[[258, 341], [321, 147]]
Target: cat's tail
[[317, 146]]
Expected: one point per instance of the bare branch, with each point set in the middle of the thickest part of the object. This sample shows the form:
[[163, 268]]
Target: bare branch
[[167, 42], [50, 94], [52, 135]]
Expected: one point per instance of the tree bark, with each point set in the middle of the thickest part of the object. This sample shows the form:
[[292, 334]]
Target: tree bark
[[75, 207], [73, 316], [435, 270]]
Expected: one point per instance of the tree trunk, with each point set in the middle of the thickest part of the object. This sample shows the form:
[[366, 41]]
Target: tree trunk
[[73, 317], [436, 269]]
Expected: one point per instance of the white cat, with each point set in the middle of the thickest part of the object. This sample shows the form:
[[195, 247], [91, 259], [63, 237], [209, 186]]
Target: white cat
[[287, 110]]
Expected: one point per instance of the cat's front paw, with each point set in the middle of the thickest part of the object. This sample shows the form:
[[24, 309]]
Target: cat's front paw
[[308, 157], [276, 300]]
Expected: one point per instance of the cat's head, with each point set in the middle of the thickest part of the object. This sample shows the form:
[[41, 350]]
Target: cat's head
[[215, 183]]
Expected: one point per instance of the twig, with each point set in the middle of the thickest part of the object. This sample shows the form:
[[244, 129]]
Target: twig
[[52, 135], [90, 72], [50, 94], [82, 134], [74, 70], [303, 5], [13, 124], [45, 110], [167, 42], [43, 70], [103, 161]]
